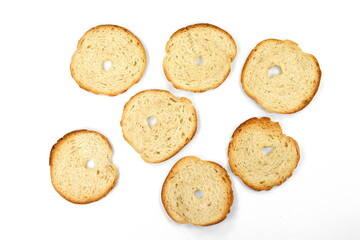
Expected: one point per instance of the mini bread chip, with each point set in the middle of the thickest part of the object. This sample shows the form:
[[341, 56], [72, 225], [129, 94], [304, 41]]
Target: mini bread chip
[[72, 173], [280, 77], [197, 192], [157, 124], [261, 155], [198, 57], [108, 60]]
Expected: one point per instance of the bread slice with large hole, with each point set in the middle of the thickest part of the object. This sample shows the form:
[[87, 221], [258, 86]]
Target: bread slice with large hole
[[291, 86], [108, 60], [198, 57], [180, 192], [157, 124], [71, 174], [261, 155]]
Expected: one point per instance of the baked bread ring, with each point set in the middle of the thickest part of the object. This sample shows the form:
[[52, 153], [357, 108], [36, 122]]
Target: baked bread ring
[[261, 155], [280, 77], [198, 57], [108, 60], [157, 124], [72, 174], [189, 177]]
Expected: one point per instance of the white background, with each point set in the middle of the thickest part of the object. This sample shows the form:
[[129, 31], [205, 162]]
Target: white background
[[40, 102]]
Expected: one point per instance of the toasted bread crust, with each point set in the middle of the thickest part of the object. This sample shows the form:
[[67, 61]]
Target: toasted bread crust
[[194, 90], [68, 135], [54, 150], [207, 25], [264, 122], [175, 151], [256, 99], [80, 45], [189, 28], [176, 167]]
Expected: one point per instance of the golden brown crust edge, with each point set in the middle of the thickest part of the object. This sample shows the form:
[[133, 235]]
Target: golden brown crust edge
[[186, 29], [54, 149], [233, 169], [306, 102], [192, 90], [115, 93], [91, 200], [186, 142], [69, 134], [230, 199]]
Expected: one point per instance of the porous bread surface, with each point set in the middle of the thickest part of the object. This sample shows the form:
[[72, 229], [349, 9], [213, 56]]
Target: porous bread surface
[[189, 175], [214, 45], [257, 170], [68, 167], [292, 89], [175, 126], [108, 43]]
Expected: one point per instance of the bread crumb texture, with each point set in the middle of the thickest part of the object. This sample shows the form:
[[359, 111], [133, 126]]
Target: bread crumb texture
[[198, 57], [289, 91], [256, 169], [112, 45], [70, 173], [175, 124], [191, 174]]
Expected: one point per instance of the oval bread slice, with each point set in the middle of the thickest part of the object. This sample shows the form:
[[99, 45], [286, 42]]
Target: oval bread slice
[[71, 175], [198, 57], [188, 176], [291, 86], [258, 169], [108, 60], [175, 126]]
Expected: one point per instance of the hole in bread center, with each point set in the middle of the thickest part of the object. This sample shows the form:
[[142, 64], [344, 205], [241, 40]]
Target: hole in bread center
[[106, 65], [274, 71], [199, 194], [267, 150], [199, 61], [90, 164], [151, 121]]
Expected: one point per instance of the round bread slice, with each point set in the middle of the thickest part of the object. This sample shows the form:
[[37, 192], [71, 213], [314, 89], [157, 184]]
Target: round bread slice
[[280, 77], [108, 60], [80, 167], [261, 155], [197, 192], [157, 124], [198, 57]]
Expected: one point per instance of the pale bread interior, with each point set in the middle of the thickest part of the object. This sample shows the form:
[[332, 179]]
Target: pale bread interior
[[116, 45], [189, 175], [258, 170], [289, 91], [198, 57], [70, 175], [175, 126]]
